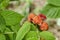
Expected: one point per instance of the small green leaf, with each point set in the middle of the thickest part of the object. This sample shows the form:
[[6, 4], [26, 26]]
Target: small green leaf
[[47, 35], [2, 37], [23, 30], [11, 17]]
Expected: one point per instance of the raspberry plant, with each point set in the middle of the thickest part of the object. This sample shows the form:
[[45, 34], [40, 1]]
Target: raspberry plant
[[34, 28]]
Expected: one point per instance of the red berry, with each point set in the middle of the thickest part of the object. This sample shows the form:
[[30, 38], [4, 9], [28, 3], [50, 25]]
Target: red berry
[[42, 16]]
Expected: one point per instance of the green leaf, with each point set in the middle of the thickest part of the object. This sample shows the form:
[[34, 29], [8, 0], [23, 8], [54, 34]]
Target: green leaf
[[47, 35], [2, 24], [4, 3], [23, 30], [2, 37], [32, 35], [51, 11], [46, 9], [54, 2], [11, 17]]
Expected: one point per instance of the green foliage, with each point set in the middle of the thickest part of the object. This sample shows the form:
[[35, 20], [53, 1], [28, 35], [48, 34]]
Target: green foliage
[[11, 17], [46, 9], [9, 24], [3, 4], [10, 28], [47, 35], [58, 14], [2, 37], [1, 1], [32, 35], [33, 27], [32, 38], [51, 11], [2, 23], [10, 36], [16, 27], [23, 31], [54, 2], [7, 30]]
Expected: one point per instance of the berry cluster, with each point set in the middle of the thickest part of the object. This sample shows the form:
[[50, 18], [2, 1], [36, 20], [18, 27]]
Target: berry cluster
[[39, 20]]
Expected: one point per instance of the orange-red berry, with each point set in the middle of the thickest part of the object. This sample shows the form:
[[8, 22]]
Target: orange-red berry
[[44, 26], [31, 16], [37, 20]]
